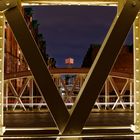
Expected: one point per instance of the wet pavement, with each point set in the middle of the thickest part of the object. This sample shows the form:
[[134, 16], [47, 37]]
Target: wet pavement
[[42, 119]]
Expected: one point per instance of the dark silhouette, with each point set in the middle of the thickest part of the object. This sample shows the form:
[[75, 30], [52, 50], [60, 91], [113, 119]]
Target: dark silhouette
[[124, 62]]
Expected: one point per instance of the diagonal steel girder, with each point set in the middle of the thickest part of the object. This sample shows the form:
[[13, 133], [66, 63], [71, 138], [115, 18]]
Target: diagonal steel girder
[[101, 67], [95, 78], [38, 66]]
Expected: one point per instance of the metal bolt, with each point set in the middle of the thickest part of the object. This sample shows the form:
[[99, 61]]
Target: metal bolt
[[134, 3], [7, 4]]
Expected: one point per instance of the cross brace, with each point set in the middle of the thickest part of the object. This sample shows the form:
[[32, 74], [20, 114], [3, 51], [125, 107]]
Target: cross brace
[[101, 67]]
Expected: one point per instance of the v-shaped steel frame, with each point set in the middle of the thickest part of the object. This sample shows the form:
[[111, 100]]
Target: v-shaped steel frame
[[73, 122]]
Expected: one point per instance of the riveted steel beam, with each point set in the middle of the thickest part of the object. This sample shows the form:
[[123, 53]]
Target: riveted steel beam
[[38, 66], [136, 30], [2, 41], [71, 2], [101, 67], [7, 4]]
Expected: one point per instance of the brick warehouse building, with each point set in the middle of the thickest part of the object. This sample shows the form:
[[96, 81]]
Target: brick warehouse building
[[14, 59]]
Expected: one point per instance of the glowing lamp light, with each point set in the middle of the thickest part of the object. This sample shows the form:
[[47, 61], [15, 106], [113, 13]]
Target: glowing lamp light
[[69, 61]]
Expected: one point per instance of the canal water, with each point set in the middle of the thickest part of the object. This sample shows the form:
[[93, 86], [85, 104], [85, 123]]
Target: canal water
[[16, 121]]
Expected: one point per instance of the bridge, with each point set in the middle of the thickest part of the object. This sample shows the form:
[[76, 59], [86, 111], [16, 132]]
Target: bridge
[[67, 123], [14, 99]]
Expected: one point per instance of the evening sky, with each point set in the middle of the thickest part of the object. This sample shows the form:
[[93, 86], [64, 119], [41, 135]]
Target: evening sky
[[69, 30]]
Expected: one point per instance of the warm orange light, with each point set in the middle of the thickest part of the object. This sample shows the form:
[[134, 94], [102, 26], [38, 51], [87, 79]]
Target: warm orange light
[[69, 61]]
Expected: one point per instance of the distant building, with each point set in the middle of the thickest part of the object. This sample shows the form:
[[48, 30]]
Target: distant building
[[14, 59], [90, 55], [124, 62], [69, 61]]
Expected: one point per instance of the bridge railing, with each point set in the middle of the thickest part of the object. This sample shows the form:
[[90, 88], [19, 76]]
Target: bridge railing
[[22, 94]]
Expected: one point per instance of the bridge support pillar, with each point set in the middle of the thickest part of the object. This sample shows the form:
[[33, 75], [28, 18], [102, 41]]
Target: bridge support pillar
[[136, 39], [131, 94], [106, 94], [31, 94], [2, 37]]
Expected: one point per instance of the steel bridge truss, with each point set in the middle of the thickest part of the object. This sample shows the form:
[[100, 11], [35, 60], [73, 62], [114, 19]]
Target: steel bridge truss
[[25, 99], [67, 123]]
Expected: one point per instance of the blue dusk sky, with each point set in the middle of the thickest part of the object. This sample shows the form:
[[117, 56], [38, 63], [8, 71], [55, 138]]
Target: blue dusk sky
[[69, 30]]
